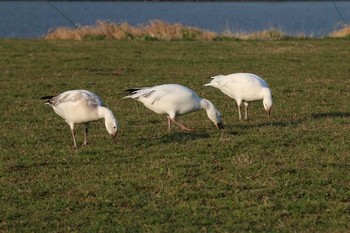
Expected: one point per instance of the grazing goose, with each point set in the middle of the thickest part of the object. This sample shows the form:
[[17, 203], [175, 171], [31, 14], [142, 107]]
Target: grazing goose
[[244, 87], [174, 100], [81, 106]]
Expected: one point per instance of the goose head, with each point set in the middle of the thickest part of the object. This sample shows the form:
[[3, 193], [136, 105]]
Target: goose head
[[216, 118], [213, 114], [111, 122], [267, 102], [112, 128]]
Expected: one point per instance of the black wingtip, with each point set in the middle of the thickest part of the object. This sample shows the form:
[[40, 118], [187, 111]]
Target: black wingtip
[[47, 97], [131, 90]]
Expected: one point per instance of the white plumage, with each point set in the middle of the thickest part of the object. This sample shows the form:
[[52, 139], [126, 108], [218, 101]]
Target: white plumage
[[174, 100], [244, 88], [81, 106]]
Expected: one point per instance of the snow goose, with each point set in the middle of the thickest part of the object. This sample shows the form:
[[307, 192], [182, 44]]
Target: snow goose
[[244, 87], [81, 106], [174, 100]]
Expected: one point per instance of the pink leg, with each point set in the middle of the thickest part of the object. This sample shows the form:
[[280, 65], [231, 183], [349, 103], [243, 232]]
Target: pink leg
[[246, 110], [169, 124], [73, 135], [85, 134], [181, 125], [239, 111]]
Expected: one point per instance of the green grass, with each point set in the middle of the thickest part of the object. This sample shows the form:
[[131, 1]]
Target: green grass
[[289, 173]]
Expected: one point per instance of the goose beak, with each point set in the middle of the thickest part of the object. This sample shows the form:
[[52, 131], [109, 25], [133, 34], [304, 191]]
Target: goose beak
[[220, 126], [269, 113], [115, 137]]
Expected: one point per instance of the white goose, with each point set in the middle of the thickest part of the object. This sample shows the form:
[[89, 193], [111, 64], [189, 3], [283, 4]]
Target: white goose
[[244, 87], [174, 100], [81, 106]]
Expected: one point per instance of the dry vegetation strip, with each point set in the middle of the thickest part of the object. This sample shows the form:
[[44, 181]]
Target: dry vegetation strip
[[161, 30], [155, 30]]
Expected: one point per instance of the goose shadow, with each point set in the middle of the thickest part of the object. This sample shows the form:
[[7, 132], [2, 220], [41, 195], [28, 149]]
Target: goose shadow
[[286, 123], [183, 136], [330, 115], [172, 137]]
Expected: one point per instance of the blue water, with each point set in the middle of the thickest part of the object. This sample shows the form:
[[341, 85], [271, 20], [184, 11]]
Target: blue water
[[34, 19]]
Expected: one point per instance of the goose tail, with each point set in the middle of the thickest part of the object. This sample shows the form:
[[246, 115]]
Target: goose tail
[[214, 82]]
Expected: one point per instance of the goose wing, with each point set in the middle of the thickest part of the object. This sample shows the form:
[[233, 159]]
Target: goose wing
[[237, 79], [150, 95], [88, 97]]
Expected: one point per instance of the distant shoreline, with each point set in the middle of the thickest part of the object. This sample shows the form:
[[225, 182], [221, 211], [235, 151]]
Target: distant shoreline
[[292, 18], [175, 0]]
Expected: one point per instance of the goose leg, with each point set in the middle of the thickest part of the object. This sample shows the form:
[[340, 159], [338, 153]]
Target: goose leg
[[85, 134], [246, 110], [239, 111], [180, 125], [169, 124], [73, 135]]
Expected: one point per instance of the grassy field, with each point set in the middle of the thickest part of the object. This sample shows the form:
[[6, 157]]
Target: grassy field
[[289, 173]]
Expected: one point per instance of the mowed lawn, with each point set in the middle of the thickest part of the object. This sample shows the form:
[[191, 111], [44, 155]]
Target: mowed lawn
[[289, 173]]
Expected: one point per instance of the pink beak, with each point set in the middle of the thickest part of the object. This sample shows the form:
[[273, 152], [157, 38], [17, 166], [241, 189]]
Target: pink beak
[[115, 137]]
